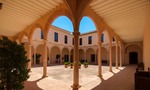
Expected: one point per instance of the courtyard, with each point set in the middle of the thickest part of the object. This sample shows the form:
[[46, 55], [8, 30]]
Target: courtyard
[[60, 78]]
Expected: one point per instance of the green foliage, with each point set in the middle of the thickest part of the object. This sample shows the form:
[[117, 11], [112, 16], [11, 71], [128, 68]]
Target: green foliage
[[13, 65], [71, 64], [85, 63], [66, 63], [79, 63]]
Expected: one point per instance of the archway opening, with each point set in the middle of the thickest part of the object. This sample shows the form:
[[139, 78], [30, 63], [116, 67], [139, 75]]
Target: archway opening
[[39, 54], [82, 57], [104, 56], [90, 56], [133, 48], [86, 25], [37, 35], [133, 57], [72, 55], [65, 56], [55, 56]]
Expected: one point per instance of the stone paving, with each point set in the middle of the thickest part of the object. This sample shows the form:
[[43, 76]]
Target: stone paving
[[60, 78]]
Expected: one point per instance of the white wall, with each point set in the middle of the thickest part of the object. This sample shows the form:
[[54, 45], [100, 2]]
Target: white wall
[[85, 39], [61, 35]]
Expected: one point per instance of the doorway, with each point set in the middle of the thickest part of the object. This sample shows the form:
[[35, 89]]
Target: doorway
[[93, 58], [133, 57], [66, 58]]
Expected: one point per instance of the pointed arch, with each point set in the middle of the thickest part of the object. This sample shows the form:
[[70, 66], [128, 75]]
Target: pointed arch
[[54, 15], [34, 28]]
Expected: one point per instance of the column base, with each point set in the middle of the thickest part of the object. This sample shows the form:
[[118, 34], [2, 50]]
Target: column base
[[75, 87], [29, 70], [110, 70], [44, 76], [100, 76]]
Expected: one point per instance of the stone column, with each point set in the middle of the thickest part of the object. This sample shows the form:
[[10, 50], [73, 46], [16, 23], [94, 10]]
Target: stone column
[[35, 57], [116, 55], [49, 55], [61, 59], [110, 57], [95, 58], [29, 56], [69, 56], [99, 59], [45, 59], [120, 56], [85, 55], [76, 61]]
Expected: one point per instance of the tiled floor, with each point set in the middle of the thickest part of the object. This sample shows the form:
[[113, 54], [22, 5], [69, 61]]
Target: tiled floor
[[60, 78]]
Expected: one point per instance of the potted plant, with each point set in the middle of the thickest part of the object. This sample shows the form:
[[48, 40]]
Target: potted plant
[[66, 64], [85, 64], [71, 65], [79, 65]]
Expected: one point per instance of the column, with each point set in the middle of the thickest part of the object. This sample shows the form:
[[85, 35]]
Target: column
[[69, 56], [116, 55], [120, 56], [99, 59], [76, 62], [110, 57], [49, 55], [95, 58], [45, 59], [35, 57], [29, 56], [61, 59], [85, 55]]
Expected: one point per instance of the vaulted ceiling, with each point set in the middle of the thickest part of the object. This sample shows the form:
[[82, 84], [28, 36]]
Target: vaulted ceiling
[[126, 17], [16, 15]]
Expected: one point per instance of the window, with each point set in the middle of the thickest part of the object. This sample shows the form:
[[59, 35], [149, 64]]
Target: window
[[80, 41], [42, 36], [90, 39], [66, 39], [56, 37], [72, 41], [102, 38], [113, 39]]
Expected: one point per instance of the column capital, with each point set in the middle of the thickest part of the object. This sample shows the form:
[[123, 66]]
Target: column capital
[[76, 33], [28, 44], [110, 45], [99, 43], [45, 42]]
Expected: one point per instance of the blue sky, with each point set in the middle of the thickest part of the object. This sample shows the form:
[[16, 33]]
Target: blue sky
[[64, 22]]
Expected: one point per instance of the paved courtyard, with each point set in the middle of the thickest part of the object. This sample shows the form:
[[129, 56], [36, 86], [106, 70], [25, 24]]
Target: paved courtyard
[[60, 78]]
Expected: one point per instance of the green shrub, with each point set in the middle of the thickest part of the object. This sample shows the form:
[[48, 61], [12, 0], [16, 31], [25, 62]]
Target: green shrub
[[13, 65]]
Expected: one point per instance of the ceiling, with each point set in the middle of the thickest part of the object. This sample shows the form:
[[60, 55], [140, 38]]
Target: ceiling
[[16, 15], [126, 17]]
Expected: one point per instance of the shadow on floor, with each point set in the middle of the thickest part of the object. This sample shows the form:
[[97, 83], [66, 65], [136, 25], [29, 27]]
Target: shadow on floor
[[123, 80], [32, 85]]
